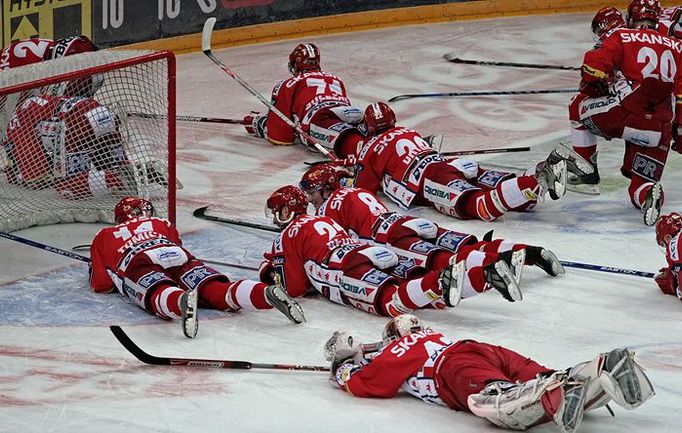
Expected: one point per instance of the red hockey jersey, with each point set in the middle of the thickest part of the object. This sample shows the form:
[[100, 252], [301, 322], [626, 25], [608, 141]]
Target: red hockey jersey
[[305, 243], [408, 364], [670, 22], [22, 53], [300, 98], [112, 246], [650, 61], [355, 209]]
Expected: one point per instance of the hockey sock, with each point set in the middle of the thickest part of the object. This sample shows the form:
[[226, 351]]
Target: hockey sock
[[475, 282], [248, 295], [165, 301], [585, 151]]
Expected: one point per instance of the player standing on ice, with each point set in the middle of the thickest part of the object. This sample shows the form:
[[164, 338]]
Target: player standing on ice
[[492, 382], [416, 240], [143, 259], [668, 229], [315, 252], [313, 99], [397, 161], [627, 85]]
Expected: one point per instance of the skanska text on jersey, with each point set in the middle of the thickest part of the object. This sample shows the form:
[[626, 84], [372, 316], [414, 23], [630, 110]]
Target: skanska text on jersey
[[650, 39], [404, 345]]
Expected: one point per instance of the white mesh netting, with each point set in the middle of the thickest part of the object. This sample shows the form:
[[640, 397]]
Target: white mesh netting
[[73, 147]]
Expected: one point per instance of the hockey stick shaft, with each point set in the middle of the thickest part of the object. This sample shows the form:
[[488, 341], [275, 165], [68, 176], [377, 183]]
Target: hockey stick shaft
[[206, 47], [201, 214], [189, 118], [86, 247], [44, 247], [609, 269], [452, 58], [143, 356], [481, 93]]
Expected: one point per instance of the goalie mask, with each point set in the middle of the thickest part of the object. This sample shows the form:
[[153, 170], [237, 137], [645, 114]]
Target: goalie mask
[[644, 10], [285, 203], [305, 57], [132, 207], [379, 117], [324, 179], [400, 326], [607, 19], [667, 227]]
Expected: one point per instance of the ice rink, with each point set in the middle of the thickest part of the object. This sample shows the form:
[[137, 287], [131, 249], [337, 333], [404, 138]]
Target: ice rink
[[61, 370]]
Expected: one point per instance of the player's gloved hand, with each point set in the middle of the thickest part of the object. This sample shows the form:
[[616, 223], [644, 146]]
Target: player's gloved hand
[[255, 124], [666, 281], [594, 89], [677, 137], [266, 272]]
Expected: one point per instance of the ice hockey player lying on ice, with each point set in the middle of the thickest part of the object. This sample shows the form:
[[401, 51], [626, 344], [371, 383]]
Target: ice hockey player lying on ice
[[492, 382], [668, 229], [420, 243], [143, 259]]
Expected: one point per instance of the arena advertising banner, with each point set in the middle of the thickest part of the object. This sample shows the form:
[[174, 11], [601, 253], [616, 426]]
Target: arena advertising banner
[[119, 22]]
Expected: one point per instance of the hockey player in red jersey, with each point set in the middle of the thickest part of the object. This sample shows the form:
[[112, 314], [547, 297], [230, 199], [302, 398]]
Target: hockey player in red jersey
[[71, 144], [314, 252], [142, 257], [313, 99], [397, 161], [668, 229], [418, 240], [26, 52], [628, 81], [510, 390], [670, 22]]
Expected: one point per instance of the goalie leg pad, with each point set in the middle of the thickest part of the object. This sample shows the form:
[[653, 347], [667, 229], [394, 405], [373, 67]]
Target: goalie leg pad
[[624, 380]]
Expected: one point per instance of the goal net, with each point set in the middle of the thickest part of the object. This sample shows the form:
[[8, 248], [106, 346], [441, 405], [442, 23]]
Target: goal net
[[78, 133]]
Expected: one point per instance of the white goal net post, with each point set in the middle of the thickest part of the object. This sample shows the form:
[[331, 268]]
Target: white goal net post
[[78, 133]]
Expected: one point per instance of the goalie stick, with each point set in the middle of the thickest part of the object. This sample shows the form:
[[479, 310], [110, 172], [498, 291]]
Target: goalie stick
[[201, 214], [206, 48], [451, 57], [189, 118], [145, 357], [480, 93]]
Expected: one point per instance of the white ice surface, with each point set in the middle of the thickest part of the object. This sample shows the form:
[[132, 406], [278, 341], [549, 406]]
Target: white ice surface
[[62, 371]]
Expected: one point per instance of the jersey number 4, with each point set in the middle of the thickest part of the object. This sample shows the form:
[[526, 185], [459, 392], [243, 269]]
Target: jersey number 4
[[667, 68]]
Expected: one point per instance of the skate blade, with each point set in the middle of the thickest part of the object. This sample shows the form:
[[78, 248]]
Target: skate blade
[[584, 189], [556, 267], [652, 205], [190, 322], [574, 160], [561, 179], [506, 274], [454, 295]]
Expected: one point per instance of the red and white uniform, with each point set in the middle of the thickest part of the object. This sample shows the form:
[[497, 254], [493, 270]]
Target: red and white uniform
[[436, 370], [72, 144], [316, 252], [643, 68], [401, 164], [315, 100], [142, 258], [21, 53], [669, 278], [670, 22]]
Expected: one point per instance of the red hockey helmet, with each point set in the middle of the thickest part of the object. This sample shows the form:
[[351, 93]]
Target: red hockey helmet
[[289, 197], [132, 207], [323, 177], [379, 117], [70, 46], [305, 57], [642, 10], [608, 18], [667, 227], [400, 326]]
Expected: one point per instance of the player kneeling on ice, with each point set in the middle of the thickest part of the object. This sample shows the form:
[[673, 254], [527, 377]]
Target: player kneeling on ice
[[141, 257], [315, 252], [668, 229], [397, 161], [314, 99], [420, 243], [492, 382]]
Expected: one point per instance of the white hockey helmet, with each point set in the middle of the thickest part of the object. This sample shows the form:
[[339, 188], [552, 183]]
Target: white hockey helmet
[[400, 326]]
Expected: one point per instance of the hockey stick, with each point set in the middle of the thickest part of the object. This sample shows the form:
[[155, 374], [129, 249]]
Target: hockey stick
[[86, 247], [189, 118], [201, 214], [609, 269], [481, 93], [455, 153], [48, 248], [206, 47], [143, 356], [451, 57]]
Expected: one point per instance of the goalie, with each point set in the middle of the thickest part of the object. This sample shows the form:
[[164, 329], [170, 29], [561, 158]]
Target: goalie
[[492, 382]]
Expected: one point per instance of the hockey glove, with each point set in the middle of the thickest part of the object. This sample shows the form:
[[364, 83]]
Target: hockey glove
[[266, 272], [255, 124], [666, 281], [677, 138]]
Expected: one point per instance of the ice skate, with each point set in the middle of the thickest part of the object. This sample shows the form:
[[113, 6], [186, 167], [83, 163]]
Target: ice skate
[[280, 300], [188, 307], [585, 183], [576, 164], [652, 204], [544, 259], [500, 276], [435, 141], [552, 178], [515, 260], [451, 281]]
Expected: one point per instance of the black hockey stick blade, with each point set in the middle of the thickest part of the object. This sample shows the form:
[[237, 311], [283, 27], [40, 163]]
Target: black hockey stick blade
[[201, 214], [135, 350], [451, 57]]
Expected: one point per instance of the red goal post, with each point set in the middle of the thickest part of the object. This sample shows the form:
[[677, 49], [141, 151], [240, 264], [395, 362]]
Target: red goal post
[[78, 133]]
